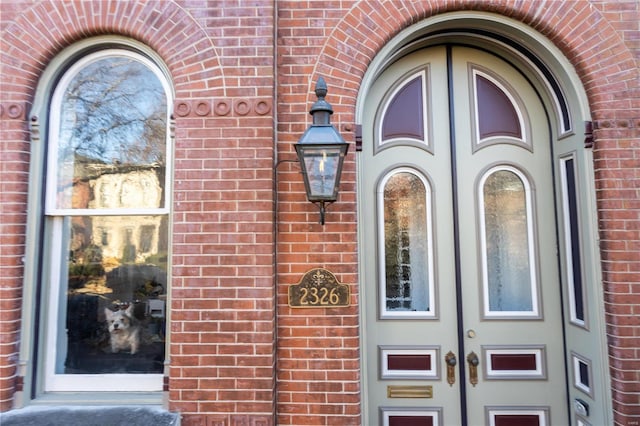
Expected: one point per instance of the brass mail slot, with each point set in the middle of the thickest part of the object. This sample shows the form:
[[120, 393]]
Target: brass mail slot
[[409, 391]]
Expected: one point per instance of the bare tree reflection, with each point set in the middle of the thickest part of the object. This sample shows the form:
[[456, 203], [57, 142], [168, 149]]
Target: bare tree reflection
[[113, 112]]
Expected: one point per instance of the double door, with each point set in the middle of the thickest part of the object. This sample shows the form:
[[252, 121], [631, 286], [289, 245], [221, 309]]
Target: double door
[[463, 320]]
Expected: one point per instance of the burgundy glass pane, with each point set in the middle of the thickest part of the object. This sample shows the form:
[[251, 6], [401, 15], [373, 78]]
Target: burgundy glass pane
[[496, 114], [517, 420], [410, 421], [521, 362], [409, 362], [404, 116]]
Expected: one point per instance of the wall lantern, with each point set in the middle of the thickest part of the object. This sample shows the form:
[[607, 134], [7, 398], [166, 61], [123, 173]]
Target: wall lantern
[[321, 151]]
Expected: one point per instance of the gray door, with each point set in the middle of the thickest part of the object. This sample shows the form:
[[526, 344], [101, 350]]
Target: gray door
[[460, 271]]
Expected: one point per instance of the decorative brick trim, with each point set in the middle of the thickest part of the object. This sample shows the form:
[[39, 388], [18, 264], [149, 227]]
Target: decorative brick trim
[[12, 110], [236, 107], [615, 124]]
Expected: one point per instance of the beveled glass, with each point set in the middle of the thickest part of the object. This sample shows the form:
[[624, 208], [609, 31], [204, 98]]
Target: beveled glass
[[508, 258], [407, 271]]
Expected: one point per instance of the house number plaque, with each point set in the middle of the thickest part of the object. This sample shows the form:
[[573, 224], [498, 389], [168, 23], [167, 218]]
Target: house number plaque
[[318, 288]]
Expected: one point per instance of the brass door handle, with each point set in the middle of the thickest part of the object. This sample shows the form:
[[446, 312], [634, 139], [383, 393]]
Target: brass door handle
[[473, 361], [451, 361]]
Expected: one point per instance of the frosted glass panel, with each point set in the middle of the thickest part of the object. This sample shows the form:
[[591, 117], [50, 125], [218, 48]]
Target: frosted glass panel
[[508, 271], [406, 244]]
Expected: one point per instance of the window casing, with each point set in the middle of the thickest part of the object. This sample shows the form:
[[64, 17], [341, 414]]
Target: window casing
[[106, 214]]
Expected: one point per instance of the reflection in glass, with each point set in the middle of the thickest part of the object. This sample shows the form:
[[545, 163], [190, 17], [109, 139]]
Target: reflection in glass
[[321, 165], [108, 155], [508, 266], [406, 248], [113, 122], [116, 270]]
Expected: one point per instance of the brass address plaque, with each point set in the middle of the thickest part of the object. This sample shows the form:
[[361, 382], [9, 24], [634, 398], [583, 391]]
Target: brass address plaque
[[318, 288]]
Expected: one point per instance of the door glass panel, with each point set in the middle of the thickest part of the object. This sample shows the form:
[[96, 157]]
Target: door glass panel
[[407, 253], [508, 265]]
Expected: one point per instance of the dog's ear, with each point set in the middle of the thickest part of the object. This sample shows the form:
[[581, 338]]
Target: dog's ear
[[129, 311], [108, 313]]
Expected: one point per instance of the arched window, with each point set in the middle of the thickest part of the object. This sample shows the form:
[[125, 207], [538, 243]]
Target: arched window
[[106, 207]]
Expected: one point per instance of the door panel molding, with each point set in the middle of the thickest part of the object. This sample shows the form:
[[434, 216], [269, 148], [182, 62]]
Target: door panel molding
[[409, 362], [520, 362]]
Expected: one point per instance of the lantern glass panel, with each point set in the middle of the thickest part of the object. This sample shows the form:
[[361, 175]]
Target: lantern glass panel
[[322, 166]]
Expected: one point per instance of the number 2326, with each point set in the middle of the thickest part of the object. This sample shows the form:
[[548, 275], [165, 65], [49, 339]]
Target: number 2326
[[321, 296]]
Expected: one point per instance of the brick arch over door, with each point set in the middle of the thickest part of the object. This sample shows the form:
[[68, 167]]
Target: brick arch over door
[[578, 31], [611, 79]]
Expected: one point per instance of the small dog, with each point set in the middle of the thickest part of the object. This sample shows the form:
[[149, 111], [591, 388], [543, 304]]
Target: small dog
[[124, 333]]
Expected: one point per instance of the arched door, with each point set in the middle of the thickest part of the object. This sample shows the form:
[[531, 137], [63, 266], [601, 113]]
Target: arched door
[[461, 275]]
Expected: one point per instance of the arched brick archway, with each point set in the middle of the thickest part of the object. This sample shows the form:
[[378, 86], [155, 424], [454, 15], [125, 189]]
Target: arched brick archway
[[361, 34], [35, 37], [610, 75]]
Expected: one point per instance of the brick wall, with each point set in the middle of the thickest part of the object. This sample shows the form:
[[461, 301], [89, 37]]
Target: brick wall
[[223, 300], [243, 230]]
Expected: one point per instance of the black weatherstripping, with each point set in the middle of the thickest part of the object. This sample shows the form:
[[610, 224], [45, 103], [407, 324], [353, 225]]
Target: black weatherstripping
[[456, 239]]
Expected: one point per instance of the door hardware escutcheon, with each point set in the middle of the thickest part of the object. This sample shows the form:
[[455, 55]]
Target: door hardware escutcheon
[[473, 361], [451, 361]]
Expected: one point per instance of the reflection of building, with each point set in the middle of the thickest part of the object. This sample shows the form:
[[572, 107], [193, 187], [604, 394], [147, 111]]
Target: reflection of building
[[241, 230], [138, 188], [130, 238], [126, 240]]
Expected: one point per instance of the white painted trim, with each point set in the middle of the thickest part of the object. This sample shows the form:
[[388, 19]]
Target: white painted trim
[[387, 412], [432, 373], [538, 373], [542, 413]]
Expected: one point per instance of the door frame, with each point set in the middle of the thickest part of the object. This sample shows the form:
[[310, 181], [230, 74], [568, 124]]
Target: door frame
[[565, 100]]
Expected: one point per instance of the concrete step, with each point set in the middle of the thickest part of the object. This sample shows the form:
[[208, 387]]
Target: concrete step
[[89, 416]]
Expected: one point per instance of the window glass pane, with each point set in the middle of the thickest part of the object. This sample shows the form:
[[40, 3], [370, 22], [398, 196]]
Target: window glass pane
[[508, 262], [572, 238], [406, 244], [114, 283], [111, 140]]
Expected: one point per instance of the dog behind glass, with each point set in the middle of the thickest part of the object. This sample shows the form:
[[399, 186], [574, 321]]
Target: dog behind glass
[[124, 333]]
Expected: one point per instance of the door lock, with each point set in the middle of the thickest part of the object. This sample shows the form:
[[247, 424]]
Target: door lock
[[473, 361], [451, 361]]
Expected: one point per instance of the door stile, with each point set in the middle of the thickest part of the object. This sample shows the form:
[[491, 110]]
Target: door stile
[[563, 323], [456, 239]]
